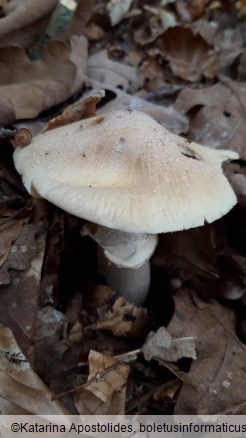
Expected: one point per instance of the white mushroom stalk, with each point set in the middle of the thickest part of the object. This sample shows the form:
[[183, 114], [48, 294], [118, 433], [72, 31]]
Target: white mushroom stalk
[[126, 173], [123, 259]]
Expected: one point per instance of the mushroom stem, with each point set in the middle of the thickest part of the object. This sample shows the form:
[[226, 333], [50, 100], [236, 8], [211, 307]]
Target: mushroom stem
[[130, 283], [123, 259]]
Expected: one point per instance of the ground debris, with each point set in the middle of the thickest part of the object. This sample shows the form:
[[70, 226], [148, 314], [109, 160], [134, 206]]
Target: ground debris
[[184, 64]]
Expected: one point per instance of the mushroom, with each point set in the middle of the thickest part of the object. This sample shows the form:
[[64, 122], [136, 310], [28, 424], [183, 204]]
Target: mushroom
[[132, 179]]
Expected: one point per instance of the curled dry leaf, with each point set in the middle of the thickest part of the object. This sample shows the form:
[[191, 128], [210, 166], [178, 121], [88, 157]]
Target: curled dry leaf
[[220, 121], [105, 391], [124, 319], [21, 390], [82, 109], [115, 74], [190, 56], [161, 345], [219, 369], [23, 12], [35, 86]]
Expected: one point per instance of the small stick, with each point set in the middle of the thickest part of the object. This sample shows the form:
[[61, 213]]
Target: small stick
[[139, 401], [96, 378], [7, 134]]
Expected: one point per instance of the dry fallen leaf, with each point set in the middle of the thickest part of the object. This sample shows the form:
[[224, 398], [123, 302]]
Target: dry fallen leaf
[[169, 392], [124, 319], [58, 342], [189, 252], [161, 345], [220, 119], [21, 390], [50, 326], [103, 388], [151, 68], [220, 367], [97, 297], [26, 36], [23, 12], [105, 391], [153, 23], [189, 55], [8, 234], [196, 8], [20, 253], [37, 85], [241, 8], [229, 43], [19, 299], [220, 371], [115, 74], [82, 109], [80, 18]]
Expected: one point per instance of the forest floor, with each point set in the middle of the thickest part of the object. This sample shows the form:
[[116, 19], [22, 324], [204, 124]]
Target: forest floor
[[67, 345]]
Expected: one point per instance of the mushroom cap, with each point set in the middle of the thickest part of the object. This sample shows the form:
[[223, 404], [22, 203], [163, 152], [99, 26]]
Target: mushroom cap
[[125, 171]]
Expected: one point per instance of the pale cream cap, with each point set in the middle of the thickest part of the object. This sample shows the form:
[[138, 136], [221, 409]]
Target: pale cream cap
[[125, 171]]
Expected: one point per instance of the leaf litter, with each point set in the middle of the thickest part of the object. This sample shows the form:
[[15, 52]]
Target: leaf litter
[[183, 63]]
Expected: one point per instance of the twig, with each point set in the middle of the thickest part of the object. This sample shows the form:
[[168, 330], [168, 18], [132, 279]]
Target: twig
[[127, 357], [184, 377], [59, 21], [139, 401], [96, 378], [7, 134], [13, 357]]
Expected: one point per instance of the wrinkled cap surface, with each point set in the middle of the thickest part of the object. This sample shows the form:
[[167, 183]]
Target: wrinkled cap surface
[[125, 171]]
